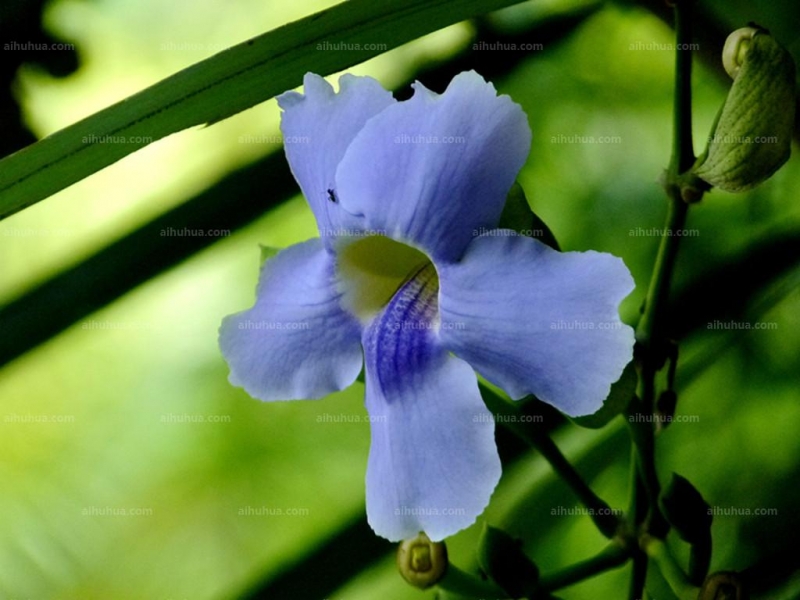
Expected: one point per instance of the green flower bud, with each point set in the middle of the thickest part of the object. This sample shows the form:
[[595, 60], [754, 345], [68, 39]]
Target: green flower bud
[[421, 562], [752, 136], [723, 585]]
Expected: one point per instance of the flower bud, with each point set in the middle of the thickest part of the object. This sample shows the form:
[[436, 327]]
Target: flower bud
[[723, 585], [752, 136], [421, 562]]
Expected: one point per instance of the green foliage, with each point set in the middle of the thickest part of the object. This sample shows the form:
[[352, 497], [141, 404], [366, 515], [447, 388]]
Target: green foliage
[[124, 371], [685, 509], [620, 396], [221, 86], [501, 558], [518, 216]]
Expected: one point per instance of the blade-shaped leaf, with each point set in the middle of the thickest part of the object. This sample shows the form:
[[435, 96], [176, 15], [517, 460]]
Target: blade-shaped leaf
[[223, 85]]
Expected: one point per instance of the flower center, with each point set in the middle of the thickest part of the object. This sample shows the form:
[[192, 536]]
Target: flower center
[[372, 269]]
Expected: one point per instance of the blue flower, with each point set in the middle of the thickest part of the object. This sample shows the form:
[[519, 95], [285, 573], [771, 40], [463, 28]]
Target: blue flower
[[411, 279]]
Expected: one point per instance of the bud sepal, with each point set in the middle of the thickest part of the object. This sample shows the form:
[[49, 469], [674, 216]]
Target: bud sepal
[[752, 137]]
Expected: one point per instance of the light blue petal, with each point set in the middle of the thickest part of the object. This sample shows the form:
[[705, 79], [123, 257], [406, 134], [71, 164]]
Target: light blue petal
[[533, 320], [317, 127], [296, 342], [433, 463], [433, 170]]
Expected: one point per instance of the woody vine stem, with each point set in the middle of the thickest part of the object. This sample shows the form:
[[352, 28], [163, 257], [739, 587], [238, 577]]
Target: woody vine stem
[[652, 344]]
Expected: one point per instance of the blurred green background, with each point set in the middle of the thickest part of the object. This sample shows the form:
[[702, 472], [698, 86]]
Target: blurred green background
[[132, 469]]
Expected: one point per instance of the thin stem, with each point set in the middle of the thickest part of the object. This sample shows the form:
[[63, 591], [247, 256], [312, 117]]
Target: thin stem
[[682, 159], [652, 345], [612, 556], [648, 331], [601, 514], [647, 513], [659, 551], [637, 511], [682, 149], [638, 576], [635, 500]]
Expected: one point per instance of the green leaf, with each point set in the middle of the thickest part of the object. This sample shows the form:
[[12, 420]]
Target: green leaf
[[686, 510], [267, 252], [502, 558], [517, 215], [223, 85], [331, 567], [620, 396]]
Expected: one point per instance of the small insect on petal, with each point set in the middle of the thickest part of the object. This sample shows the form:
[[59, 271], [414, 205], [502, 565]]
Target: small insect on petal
[[332, 196]]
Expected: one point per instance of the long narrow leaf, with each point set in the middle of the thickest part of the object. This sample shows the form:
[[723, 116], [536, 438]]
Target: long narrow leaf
[[223, 85], [102, 278]]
